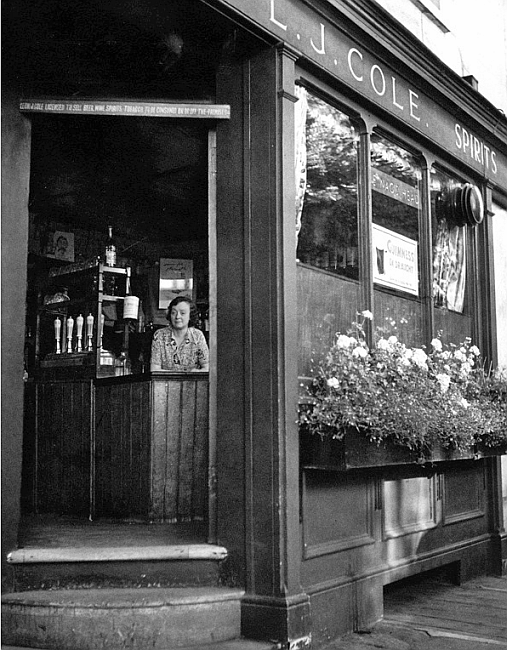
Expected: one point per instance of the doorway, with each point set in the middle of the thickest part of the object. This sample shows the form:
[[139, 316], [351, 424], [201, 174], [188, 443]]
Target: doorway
[[152, 181]]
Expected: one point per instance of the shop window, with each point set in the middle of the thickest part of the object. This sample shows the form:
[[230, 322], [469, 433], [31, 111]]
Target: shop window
[[396, 212], [396, 204], [326, 181]]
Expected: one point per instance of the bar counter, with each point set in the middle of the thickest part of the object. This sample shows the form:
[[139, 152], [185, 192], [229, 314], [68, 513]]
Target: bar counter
[[132, 447]]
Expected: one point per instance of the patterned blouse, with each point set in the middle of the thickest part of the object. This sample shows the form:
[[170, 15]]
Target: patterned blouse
[[190, 354]]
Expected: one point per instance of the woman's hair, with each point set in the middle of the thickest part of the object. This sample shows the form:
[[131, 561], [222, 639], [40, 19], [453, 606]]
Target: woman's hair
[[194, 314]]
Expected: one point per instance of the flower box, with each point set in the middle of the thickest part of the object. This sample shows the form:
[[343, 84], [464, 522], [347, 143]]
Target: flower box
[[355, 451], [390, 399]]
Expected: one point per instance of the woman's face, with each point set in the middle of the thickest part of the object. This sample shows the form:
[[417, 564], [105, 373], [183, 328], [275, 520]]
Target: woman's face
[[180, 316]]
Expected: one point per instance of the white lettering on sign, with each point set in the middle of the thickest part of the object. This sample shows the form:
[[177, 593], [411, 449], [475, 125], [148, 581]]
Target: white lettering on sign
[[395, 260], [394, 188], [130, 108], [322, 42], [377, 80], [321, 49], [273, 19], [475, 149]]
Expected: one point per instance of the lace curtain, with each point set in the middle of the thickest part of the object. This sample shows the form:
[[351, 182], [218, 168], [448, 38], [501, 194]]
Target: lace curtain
[[301, 107], [449, 266]]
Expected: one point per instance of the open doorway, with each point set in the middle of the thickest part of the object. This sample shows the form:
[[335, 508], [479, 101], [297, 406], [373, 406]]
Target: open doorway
[[149, 180]]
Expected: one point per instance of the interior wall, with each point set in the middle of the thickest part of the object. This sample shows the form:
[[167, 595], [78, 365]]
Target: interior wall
[[15, 178]]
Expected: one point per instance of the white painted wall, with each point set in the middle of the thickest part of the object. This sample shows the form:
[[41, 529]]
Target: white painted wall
[[469, 36]]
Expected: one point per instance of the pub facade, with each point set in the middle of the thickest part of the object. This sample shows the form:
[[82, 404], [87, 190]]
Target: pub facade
[[287, 165]]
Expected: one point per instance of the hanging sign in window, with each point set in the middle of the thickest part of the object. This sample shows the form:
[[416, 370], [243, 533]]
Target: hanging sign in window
[[395, 262], [394, 188]]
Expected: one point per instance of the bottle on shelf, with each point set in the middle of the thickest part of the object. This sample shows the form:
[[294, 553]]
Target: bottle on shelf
[[110, 260], [110, 256]]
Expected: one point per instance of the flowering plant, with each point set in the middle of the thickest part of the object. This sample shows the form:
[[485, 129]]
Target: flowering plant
[[417, 399]]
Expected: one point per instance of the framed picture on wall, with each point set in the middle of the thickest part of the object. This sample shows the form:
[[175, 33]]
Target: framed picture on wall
[[60, 246], [176, 279]]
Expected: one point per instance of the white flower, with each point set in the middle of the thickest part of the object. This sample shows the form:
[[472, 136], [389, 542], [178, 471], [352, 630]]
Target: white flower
[[446, 355], [420, 357], [464, 403], [333, 382], [359, 352], [436, 345], [367, 314], [444, 382], [475, 350], [383, 344], [392, 340], [344, 341], [460, 356], [466, 368]]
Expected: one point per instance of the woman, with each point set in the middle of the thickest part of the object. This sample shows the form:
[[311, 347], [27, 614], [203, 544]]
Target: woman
[[180, 347]]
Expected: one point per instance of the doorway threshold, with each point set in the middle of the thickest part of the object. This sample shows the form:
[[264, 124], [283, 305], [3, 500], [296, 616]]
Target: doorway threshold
[[50, 538]]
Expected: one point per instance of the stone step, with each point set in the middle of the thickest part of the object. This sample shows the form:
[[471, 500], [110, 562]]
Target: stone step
[[182, 565], [117, 619], [235, 644]]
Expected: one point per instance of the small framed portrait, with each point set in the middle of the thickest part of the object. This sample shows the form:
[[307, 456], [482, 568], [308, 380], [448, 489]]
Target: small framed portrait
[[60, 246]]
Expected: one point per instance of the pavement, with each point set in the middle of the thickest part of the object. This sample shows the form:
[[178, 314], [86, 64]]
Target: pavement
[[472, 616], [434, 616]]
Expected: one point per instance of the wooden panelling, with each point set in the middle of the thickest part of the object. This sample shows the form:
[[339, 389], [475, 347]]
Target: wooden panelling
[[326, 304], [122, 449], [337, 512], [63, 447], [409, 506], [464, 492], [179, 449]]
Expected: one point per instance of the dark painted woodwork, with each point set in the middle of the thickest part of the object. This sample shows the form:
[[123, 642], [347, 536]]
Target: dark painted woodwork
[[63, 446], [152, 447], [354, 451], [16, 134], [406, 519], [122, 449]]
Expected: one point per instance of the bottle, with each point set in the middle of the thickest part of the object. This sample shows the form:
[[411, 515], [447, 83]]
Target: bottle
[[110, 248]]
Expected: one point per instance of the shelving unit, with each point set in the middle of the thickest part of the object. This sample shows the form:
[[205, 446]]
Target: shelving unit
[[80, 325]]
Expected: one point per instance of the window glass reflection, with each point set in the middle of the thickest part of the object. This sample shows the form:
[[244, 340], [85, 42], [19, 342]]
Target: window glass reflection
[[396, 205], [328, 232]]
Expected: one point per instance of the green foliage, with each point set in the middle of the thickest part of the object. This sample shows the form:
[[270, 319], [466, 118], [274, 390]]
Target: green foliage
[[443, 398]]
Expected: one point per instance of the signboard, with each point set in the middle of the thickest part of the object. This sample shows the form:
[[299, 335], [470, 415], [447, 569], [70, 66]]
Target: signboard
[[320, 40], [395, 189], [395, 261], [126, 108], [176, 279]]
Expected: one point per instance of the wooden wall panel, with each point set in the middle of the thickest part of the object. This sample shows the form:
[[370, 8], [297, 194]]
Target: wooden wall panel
[[337, 512], [464, 492], [63, 447], [122, 450], [409, 505], [179, 447]]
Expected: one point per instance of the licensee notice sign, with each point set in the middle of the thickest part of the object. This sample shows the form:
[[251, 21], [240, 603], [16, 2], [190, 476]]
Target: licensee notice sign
[[395, 261]]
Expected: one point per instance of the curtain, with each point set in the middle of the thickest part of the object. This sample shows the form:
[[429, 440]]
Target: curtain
[[449, 266], [301, 108]]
